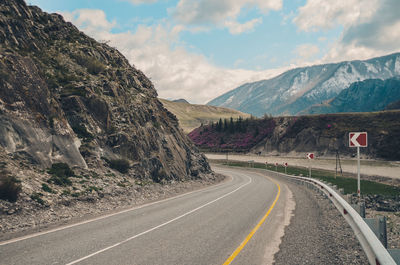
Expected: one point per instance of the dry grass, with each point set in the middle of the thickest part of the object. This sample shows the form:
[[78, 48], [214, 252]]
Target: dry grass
[[191, 116]]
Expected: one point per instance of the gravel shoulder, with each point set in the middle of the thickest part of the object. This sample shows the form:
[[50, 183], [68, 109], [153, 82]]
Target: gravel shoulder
[[317, 233]]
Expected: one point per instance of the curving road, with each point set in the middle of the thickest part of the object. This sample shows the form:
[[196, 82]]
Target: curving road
[[202, 227]]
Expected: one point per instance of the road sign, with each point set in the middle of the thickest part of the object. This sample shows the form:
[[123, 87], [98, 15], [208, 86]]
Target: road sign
[[358, 139], [285, 164], [310, 155], [276, 164]]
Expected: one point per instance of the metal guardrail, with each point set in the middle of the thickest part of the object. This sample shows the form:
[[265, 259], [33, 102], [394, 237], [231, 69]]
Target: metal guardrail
[[376, 253]]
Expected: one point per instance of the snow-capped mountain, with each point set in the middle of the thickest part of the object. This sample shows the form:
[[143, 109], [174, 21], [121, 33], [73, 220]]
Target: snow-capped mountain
[[296, 90], [363, 96]]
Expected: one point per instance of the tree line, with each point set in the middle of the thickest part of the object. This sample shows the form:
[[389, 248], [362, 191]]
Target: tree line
[[239, 125]]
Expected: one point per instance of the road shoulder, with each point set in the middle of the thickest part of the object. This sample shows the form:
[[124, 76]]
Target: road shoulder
[[317, 234]]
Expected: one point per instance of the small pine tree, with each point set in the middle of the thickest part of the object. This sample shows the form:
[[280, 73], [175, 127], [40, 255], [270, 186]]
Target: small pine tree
[[225, 125], [219, 125], [231, 126]]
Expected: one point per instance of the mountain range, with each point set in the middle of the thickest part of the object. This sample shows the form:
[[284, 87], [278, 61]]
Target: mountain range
[[296, 91], [363, 96]]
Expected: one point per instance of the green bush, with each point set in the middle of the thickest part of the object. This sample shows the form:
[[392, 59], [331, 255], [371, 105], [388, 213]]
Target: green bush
[[36, 197], [60, 173], [122, 165], [92, 65], [46, 188], [10, 187]]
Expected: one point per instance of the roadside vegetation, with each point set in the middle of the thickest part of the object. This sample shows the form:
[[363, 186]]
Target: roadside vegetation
[[348, 184], [61, 173], [10, 187], [238, 135], [325, 133]]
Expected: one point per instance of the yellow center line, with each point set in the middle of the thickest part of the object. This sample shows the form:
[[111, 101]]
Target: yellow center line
[[237, 251]]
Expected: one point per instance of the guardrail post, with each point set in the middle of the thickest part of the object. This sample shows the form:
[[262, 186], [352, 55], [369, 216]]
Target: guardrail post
[[378, 226], [395, 253], [383, 231], [360, 208]]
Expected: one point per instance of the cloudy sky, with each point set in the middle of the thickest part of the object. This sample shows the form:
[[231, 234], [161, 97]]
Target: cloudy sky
[[199, 49]]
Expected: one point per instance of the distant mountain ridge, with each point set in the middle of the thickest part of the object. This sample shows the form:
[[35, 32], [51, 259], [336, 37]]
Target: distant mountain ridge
[[182, 100], [296, 90], [191, 116], [363, 96]]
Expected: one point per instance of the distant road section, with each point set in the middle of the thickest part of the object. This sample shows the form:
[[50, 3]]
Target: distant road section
[[202, 227], [368, 167]]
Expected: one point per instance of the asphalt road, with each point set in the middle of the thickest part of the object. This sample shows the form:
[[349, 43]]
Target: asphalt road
[[201, 227]]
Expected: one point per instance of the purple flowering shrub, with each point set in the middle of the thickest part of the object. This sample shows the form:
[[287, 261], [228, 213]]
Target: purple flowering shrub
[[210, 138]]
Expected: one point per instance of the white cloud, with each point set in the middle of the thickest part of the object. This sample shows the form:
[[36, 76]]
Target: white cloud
[[370, 27], [221, 13], [93, 20], [322, 14], [307, 51], [175, 72], [237, 28]]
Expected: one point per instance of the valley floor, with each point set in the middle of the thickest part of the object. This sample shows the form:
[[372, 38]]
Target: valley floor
[[379, 168]]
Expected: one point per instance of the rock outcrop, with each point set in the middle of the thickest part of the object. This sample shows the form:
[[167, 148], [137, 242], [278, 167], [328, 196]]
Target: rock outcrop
[[65, 97]]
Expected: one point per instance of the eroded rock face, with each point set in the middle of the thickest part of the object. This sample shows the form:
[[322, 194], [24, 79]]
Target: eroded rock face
[[66, 98]]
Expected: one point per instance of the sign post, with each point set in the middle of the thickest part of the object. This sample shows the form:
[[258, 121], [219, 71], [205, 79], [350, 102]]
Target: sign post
[[276, 167], [358, 139], [310, 156], [285, 165]]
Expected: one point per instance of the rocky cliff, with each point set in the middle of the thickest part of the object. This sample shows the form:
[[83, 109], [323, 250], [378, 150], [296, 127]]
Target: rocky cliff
[[65, 97]]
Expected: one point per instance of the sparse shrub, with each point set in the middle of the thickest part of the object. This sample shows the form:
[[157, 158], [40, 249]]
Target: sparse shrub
[[122, 165], [3, 165], [46, 188], [93, 65], [60, 173], [10, 187], [121, 184], [92, 188], [76, 194], [37, 197]]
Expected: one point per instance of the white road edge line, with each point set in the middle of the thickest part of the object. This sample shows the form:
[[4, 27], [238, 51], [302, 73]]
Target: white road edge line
[[10, 241], [159, 226]]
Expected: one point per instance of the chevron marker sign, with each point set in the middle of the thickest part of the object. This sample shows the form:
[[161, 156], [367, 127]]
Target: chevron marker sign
[[358, 139]]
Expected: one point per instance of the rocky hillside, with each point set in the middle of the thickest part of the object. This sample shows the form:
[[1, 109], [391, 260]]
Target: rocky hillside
[[191, 116], [321, 134], [296, 90], [65, 98], [362, 96]]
